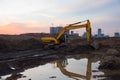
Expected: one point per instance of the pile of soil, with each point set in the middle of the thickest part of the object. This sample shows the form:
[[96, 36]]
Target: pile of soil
[[19, 45], [12, 43], [110, 62]]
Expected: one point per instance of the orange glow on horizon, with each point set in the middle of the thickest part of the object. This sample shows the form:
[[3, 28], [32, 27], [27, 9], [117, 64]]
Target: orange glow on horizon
[[19, 28], [9, 30]]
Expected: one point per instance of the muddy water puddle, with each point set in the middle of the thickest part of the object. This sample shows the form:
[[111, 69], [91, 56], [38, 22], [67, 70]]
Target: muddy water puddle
[[77, 67]]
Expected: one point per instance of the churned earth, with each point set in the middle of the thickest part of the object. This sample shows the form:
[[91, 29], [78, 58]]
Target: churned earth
[[29, 47]]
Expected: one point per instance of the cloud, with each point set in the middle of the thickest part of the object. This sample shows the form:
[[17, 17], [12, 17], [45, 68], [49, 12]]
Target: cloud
[[36, 17], [18, 28], [33, 15], [34, 9], [81, 5], [55, 6]]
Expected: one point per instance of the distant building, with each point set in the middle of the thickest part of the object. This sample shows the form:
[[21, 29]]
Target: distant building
[[56, 30], [95, 36], [99, 31], [67, 32], [106, 36], [72, 32], [76, 34], [52, 30], [116, 34], [84, 35], [100, 35]]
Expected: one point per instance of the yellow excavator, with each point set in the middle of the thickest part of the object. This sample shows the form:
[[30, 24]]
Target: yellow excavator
[[57, 40]]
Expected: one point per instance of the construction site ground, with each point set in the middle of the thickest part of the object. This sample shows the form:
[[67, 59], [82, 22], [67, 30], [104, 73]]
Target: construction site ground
[[15, 48]]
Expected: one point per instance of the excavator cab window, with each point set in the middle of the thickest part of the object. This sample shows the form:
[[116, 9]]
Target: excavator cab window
[[64, 38]]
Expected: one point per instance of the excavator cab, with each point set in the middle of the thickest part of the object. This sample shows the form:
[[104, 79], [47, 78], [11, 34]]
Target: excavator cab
[[63, 38]]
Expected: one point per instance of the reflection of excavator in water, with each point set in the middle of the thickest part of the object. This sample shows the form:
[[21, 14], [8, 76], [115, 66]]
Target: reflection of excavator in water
[[61, 66], [59, 39]]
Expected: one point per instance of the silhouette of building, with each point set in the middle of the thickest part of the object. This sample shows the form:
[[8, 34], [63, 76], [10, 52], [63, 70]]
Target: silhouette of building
[[100, 34], [56, 30], [99, 31], [72, 32], [84, 35], [116, 34], [52, 30]]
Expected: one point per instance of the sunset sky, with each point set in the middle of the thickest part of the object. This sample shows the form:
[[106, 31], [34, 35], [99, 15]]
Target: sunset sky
[[27, 16]]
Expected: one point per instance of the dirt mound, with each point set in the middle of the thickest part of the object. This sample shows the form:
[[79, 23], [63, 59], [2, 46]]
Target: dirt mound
[[110, 62], [112, 52], [4, 45], [19, 45]]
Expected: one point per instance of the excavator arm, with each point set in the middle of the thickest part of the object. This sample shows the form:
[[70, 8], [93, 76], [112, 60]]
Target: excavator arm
[[75, 26]]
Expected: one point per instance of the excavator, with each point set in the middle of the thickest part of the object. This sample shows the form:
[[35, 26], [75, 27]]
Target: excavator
[[59, 40]]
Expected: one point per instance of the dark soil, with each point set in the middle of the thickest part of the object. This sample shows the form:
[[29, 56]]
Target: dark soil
[[28, 45]]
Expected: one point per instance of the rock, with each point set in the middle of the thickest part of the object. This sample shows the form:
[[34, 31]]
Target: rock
[[110, 62], [52, 77], [113, 77], [112, 52], [14, 76], [95, 45], [95, 71]]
